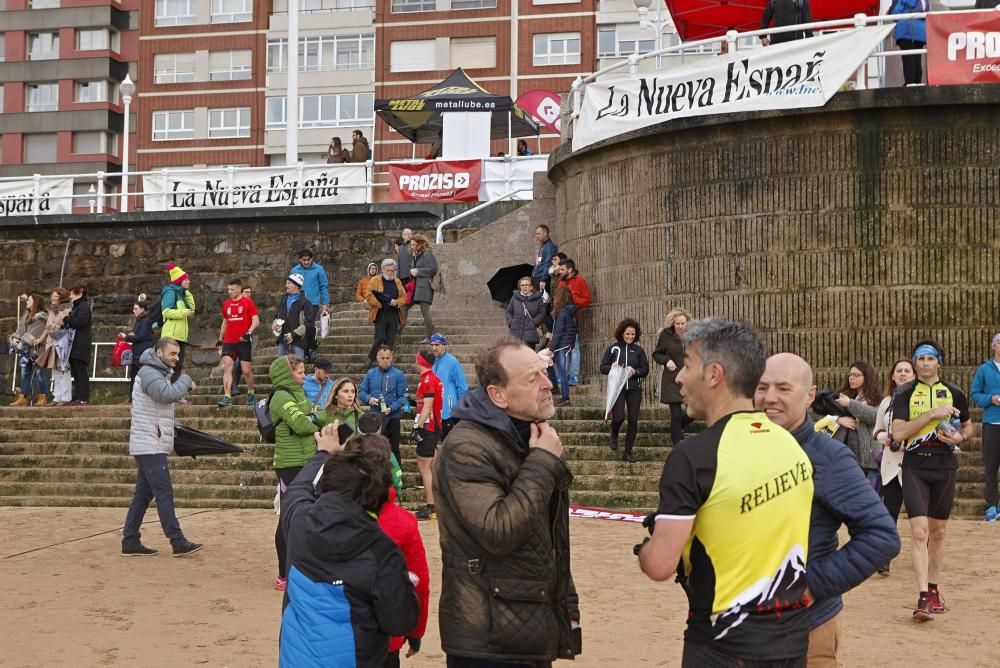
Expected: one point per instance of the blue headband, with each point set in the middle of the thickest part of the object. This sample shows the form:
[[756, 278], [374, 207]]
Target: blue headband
[[927, 349]]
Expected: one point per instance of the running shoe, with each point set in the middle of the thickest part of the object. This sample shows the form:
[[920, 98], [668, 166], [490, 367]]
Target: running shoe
[[992, 513], [186, 547], [138, 550], [226, 400], [936, 601], [426, 513], [922, 613], [280, 583], [561, 403], [250, 398]]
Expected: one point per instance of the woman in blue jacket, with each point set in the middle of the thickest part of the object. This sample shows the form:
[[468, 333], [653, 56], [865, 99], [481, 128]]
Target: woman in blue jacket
[[911, 34], [141, 336], [564, 331], [986, 395]]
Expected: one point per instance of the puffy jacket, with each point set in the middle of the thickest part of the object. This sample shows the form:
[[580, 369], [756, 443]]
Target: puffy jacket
[[31, 332], [359, 150], [153, 399], [912, 29], [449, 371], [79, 321], [669, 348], [294, 424], [317, 394], [389, 385], [986, 384], [581, 291], [525, 314], [141, 336], [427, 268], [176, 304], [841, 495], [867, 446], [374, 291], [506, 589], [543, 259], [400, 525], [565, 328], [626, 354], [348, 588], [295, 317], [316, 286]]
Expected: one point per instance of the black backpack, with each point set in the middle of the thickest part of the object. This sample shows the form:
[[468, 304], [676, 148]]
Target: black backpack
[[262, 410]]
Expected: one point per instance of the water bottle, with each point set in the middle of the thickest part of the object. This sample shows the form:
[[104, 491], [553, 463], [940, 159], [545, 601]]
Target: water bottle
[[406, 404], [384, 407]]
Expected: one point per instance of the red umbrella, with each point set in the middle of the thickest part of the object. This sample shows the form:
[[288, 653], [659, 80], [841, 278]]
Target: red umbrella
[[701, 19]]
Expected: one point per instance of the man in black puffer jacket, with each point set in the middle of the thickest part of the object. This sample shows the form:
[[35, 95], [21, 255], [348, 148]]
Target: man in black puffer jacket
[[785, 13], [501, 487], [842, 496]]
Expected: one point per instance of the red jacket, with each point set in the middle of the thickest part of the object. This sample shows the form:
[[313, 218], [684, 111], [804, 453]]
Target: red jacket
[[400, 525], [581, 291]]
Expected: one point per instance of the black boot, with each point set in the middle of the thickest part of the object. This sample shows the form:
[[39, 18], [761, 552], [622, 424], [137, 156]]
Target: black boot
[[627, 457], [614, 443]]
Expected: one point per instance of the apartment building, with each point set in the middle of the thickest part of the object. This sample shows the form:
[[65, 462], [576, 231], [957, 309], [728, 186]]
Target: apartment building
[[509, 47], [61, 62], [200, 88]]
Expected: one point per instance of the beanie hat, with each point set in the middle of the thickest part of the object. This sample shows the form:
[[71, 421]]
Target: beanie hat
[[177, 275], [297, 279]]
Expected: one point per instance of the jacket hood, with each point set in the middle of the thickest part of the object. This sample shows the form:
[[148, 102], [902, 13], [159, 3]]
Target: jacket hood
[[533, 297], [339, 529], [282, 378], [149, 358], [475, 406]]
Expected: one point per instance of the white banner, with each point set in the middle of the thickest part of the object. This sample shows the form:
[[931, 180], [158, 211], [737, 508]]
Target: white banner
[[280, 186], [501, 177], [803, 73], [54, 196]]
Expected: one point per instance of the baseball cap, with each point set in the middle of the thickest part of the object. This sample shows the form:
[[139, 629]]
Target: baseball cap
[[297, 279], [438, 338]]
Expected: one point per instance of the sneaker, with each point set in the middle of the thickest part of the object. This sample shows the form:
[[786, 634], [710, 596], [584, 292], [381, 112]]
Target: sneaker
[[78, 403], [138, 550], [573, 380], [186, 547], [250, 399], [922, 612], [613, 444], [884, 571], [936, 601], [992, 513], [226, 400], [561, 402], [280, 583], [426, 513]]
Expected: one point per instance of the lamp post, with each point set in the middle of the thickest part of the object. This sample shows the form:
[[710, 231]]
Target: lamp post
[[642, 7], [127, 90]]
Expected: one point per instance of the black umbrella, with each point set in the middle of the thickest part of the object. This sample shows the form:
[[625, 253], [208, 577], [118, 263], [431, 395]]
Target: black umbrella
[[504, 282], [190, 442]]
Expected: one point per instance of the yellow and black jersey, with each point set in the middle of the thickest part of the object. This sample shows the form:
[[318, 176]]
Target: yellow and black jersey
[[748, 486], [924, 449]]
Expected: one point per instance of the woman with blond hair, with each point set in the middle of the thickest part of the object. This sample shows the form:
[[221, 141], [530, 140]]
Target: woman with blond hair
[[56, 342], [424, 269], [30, 330], [670, 353]]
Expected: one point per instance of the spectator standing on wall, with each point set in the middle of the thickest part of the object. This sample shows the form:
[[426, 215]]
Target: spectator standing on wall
[[79, 319], [986, 395], [525, 312], [386, 299], [575, 281], [543, 257], [670, 353], [178, 307], [336, 153], [30, 330], [360, 152], [291, 318], [890, 469], [56, 343], [424, 269], [785, 13], [141, 337], [317, 290], [911, 34]]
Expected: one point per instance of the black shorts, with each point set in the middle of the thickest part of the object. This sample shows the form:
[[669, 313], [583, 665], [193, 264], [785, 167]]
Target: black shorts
[[428, 446], [240, 350], [928, 492]]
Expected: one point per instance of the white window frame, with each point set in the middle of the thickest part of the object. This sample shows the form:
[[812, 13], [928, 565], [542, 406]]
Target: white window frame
[[87, 35], [43, 4], [411, 6], [184, 128], [276, 111], [240, 15], [234, 72], [52, 53], [354, 5], [322, 46], [162, 19], [46, 96], [229, 123], [475, 4], [103, 91], [169, 76], [547, 58]]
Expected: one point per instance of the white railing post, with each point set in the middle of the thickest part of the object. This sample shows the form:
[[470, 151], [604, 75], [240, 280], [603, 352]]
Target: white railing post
[[731, 37], [860, 20], [370, 178], [633, 64], [577, 96], [92, 202], [165, 183], [36, 185], [230, 182], [100, 192], [299, 175]]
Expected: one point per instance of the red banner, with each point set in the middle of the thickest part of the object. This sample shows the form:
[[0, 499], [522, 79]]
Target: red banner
[[543, 105], [438, 181], [963, 48]]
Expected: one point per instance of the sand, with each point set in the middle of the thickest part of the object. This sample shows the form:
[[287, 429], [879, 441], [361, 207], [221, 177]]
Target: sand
[[81, 604]]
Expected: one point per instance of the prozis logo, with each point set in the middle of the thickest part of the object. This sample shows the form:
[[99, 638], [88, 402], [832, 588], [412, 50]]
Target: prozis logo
[[416, 183], [974, 45], [757, 428]]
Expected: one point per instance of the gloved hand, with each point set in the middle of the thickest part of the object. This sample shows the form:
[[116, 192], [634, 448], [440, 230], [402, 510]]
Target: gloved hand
[[650, 523], [418, 435], [414, 646]]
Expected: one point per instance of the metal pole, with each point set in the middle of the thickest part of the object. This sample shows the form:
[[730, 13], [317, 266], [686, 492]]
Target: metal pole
[[127, 99], [62, 272], [292, 96]]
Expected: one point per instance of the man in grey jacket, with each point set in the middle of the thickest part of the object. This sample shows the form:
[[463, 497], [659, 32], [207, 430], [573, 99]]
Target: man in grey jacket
[[151, 439]]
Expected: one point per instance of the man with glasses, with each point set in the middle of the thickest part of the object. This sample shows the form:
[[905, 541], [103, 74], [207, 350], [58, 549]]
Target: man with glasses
[[386, 297]]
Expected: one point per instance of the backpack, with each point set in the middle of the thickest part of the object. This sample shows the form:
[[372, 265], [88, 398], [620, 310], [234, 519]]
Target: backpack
[[156, 317], [262, 411]]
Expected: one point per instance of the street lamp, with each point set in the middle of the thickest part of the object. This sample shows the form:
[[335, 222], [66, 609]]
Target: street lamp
[[642, 7], [127, 90]]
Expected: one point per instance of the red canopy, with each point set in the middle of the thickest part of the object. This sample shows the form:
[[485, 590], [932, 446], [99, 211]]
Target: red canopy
[[700, 19]]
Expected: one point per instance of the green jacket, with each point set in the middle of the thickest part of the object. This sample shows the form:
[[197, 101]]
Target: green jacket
[[294, 424], [349, 416], [176, 304]]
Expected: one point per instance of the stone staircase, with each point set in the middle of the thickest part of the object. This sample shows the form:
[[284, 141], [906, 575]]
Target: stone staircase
[[79, 456]]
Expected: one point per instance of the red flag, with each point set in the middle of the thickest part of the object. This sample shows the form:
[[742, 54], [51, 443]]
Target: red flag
[[543, 105]]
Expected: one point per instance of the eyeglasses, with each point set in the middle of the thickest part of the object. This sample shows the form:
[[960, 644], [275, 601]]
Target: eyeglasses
[[855, 375]]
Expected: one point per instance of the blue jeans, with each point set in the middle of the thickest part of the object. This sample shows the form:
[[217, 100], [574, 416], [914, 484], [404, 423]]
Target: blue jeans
[[152, 482], [41, 378], [294, 348], [562, 371], [574, 363]]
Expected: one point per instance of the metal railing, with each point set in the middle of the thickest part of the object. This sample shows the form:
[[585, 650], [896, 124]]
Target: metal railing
[[439, 237], [94, 378]]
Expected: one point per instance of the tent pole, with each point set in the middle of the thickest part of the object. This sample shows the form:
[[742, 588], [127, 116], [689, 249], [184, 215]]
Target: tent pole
[[413, 155], [510, 140]]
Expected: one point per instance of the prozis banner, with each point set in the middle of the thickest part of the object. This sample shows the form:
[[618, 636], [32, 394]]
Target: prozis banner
[[438, 181], [963, 47]]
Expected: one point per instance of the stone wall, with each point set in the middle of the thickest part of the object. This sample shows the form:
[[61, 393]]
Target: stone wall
[[843, 233]]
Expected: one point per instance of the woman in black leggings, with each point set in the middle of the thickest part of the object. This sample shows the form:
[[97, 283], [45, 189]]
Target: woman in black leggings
[[625, 352], [892, 454], [670, 353]]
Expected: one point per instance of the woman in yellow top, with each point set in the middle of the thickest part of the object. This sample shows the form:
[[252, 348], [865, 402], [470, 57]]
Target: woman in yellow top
[[178, 307]]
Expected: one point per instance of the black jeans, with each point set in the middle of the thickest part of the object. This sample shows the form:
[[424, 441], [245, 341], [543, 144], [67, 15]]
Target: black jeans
[[465, 662], [679, 421], [391, 430], [892, 497], [913, 71], [81, 379], [697, 655], [629, 400], [392, 660], [152, 482], [386, 327], [285, 478], [991, 462]]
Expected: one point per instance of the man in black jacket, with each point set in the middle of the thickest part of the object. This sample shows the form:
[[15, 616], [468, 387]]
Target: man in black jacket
[[292, 318], [785, 13], [79, 355]]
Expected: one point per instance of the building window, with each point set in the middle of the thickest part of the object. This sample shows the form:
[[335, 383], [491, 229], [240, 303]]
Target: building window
[[232, 11], [172, 125], [331, 52], [43, 46], [557, 49], [44, 4], [173, 68], [607, 43], [325, 111], [347, 5], [309, 6], [96, 39], [91, 91], [3, 47], [415, 56], [404, 6], [473, 4], [229, 123], [42, 97], [229, 65], [473, 52], [95, 142], [174, 13], [39, 148]]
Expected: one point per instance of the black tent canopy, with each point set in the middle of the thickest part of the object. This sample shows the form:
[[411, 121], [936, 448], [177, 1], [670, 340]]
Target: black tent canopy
[[419, 118]]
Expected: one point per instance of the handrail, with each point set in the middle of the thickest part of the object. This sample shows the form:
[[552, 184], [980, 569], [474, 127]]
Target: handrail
[[440, 228]]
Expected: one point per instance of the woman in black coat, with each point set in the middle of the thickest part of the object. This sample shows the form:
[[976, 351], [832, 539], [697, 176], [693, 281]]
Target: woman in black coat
[[670, 353], [79, 355], [525, 312], [141, 336], [626, 352]]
